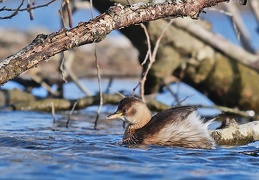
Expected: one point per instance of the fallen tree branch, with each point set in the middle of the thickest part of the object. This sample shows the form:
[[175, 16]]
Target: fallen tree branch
[[236, 134], [220, 43], [44, 47], [233, 134]]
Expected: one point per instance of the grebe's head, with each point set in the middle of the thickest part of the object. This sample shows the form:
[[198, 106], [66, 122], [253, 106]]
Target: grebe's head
[[131, 110]]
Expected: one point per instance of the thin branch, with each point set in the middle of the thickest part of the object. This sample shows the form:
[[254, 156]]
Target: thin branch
[[175, 95], [100, 89], [254, 4], [149, 53], [19, 9], [220, 43], [68, 65], [109, 85], [152, 55], [25, 9], [41, 81], [241, 31], [235, 111], [62, 67], [71, 112], [53, 113], [14, 13], [98, 76], [69, 13]]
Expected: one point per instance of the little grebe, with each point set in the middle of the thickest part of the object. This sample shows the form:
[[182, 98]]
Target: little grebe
[[177, 126]]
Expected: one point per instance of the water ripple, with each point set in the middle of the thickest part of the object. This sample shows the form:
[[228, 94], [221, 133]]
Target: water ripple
[[37, 151]]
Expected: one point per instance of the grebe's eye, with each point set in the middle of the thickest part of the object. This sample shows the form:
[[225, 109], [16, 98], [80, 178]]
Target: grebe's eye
[[124, 110]]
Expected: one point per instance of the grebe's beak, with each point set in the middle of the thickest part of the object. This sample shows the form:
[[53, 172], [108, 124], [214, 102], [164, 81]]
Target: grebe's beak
[[115, 115]]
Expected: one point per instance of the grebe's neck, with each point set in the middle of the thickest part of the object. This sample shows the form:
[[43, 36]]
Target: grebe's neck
[[141, 117]]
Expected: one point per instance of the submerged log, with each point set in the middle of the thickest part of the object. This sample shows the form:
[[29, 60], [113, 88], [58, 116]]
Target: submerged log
[[12, 97]]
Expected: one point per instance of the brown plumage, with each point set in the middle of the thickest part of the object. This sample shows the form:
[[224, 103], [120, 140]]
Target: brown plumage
[[177, 126]]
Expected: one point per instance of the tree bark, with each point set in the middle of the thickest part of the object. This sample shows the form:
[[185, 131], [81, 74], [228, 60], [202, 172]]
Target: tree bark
[[236, 134], [116, 17]]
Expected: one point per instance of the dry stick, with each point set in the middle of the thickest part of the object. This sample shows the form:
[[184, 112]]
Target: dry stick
[[240, 28], [65, 66], [116, 92], [254, 4], [109, 85], [69, 116], [172, 93], [68, 64], [231, 19], [128, 1], [232, 111], [62, 68], [30, 11], [149, 54], [69, 13], [134, 89], [100, 90], [218, 42], [14, 13], [62, 59], [152, 55], [98, 76], [44, 84], [53, 114], [25, 9]]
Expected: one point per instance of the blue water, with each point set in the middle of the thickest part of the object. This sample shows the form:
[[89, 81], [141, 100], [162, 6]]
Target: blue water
[[33, 147]]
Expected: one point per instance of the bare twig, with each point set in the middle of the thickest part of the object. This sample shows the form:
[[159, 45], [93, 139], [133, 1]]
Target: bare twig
[[254, 4], [41, 81], [149, 54], [68, 65], [53, 113], [235, 111], [109, 85], [152, 55], [30, 11], [62, 67], [134, 89], [14, 13], [98, 77], [19, 9], [175, 95], [116, 92], [100, 90], [240, 28], [69, 13], [220, 43], [69, 116]]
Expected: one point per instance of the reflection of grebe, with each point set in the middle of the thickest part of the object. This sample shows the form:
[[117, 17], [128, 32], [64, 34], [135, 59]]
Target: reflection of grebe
[[178, 126]]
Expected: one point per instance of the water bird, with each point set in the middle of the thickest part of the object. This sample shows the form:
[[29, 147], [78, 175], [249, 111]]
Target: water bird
[[179, 126]]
